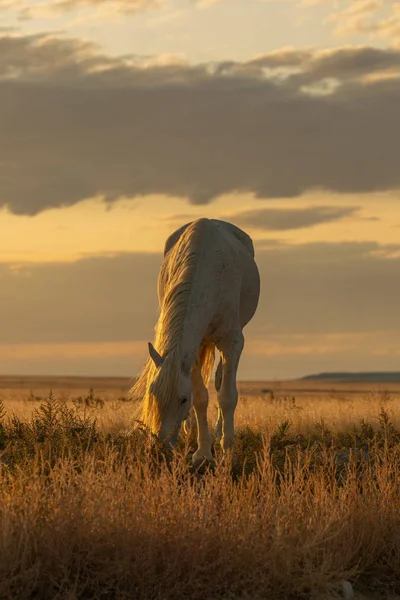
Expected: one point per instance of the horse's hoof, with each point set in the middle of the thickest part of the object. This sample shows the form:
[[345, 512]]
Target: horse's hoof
[[202, 462]]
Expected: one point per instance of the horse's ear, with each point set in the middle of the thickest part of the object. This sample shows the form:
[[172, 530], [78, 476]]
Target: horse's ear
[[157, 358]]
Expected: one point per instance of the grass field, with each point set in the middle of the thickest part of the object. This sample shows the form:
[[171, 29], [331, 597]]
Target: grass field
[[92, 507]]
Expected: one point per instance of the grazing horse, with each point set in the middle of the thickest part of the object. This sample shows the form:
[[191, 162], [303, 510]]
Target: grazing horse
[[208, 289]]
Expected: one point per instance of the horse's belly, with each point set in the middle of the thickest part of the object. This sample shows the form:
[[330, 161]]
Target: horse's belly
[[236, 301], [250, 294]]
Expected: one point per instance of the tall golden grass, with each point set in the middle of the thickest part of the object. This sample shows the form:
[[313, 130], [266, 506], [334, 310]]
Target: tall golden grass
[[92, 507]]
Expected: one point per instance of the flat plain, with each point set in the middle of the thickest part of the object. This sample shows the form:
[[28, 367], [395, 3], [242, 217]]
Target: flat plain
[[92, 507]]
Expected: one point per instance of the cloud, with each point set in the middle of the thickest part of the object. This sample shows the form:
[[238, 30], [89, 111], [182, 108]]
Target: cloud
[[207, 3], [292, 345], [10, 5], [93, 300], [344, 64], [368, 16], [50, 8], [380, 18], [77, 124], [130, 5], [71, 350], [310, 288], [275, 219], [317, 298]]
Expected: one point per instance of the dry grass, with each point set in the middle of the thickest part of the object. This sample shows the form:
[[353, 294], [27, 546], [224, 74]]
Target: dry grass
[[93, 509]]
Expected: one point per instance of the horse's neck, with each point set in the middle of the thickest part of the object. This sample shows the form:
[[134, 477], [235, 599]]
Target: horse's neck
[[193, 321], [189, 336], [195, 328]]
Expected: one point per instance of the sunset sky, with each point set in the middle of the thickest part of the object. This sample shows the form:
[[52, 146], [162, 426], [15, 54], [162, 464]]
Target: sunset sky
[[122, 120]]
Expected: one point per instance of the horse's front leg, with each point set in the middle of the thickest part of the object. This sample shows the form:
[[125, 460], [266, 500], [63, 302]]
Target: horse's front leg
[[200, 405], [231, 350]]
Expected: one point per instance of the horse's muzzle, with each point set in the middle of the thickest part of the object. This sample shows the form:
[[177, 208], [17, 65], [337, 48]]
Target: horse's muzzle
[[169, 436]]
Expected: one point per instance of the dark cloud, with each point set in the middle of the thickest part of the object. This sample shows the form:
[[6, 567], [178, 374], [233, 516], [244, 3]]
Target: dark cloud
[[93, 300], [308, 289], [345, 63], [76, 123], [276, 219], [339, 63], [286, 57], [329, 288]]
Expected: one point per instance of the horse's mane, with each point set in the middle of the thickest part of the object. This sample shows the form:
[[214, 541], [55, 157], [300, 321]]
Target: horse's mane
[[174, 288]]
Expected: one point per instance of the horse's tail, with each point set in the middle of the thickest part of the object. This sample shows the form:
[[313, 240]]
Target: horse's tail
[[207, 360]]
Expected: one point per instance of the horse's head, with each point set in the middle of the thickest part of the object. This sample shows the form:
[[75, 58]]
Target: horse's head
[[172, 393]]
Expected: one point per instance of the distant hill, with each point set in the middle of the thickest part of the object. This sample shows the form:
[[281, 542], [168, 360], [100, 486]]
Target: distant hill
[[376, 377]]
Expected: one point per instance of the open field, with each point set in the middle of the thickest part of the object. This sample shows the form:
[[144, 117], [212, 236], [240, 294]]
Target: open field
[[263, 404], [91, 507]]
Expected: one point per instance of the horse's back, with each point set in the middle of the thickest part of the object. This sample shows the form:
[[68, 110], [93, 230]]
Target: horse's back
[[230, 232]]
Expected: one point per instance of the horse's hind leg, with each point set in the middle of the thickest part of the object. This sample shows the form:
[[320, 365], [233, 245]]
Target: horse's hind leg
[[200, 404], [218, 383], [231, 350]]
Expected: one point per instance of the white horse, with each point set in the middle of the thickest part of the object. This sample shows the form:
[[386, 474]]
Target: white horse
[[208, 288]]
